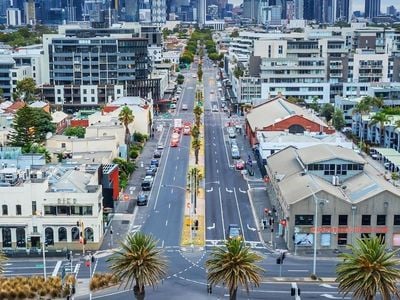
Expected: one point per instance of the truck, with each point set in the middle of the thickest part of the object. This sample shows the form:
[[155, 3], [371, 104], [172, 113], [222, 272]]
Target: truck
[[177, 123]]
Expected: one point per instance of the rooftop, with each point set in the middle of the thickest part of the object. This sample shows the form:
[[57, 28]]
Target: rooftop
[[324, 152]]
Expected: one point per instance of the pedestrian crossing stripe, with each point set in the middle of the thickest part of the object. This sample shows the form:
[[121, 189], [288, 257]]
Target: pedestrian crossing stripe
[[221, 243]]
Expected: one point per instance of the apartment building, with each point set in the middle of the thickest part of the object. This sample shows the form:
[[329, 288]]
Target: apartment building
[[61, 205]]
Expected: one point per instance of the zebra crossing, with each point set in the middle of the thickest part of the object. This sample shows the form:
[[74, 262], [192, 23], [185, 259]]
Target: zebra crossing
[[221, 243]]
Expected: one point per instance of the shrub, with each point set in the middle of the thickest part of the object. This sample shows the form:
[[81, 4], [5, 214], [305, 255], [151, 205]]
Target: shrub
[[133, 154], [22, 293], [12, 294], [54, 293]]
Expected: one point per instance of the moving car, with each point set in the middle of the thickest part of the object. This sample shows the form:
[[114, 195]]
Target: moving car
[[157, 154], [184, 107], [147, 183], [234, 143], [142, 199], [215, 108], [239, 164], [234, 232], [232, 134], [151, 171], [194, 76]]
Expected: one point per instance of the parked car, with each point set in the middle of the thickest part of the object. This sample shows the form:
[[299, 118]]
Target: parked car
[[173, 106], [234, 142], [160, 146], [184, 107], [234, 232], [155, 162], [239, 164], [151, 171], [235, 153], [142, 199], [157, 154], [147, 183], [186, 130], [223, 104]]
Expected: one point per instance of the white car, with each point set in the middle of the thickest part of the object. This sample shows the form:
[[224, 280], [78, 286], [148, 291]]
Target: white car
[[215, 108], [184, 107], [194, 76]]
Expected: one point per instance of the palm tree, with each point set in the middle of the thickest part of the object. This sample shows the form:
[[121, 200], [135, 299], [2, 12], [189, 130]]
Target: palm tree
[[382, 119], [234, 266], [373, 101], [369, 268], [196, 144], [126, 117], [363, 108], [139, 263], [197, 115]]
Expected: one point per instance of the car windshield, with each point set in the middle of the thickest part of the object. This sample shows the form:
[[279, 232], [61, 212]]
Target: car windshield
[[234, 232]]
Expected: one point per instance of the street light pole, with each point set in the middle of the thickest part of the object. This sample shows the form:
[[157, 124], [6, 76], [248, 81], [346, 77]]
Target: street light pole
[[315, 235]]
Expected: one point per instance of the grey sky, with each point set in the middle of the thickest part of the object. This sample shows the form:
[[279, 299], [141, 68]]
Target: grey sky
[[357, 4]]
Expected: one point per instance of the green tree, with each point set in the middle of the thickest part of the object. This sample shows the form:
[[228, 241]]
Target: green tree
[[235, 34], [186, 58], [381, 119], [126, 117], [238, 72], [196, 145], [314, 104], [35, 148], [30, 125], [369, 268], [78, 131], [221, 64], [214, 56], [338, 120], [234, 266], [327, 111], [125, 168], [26, 89], [200, 73], [197, 110], [180, 79], [195, 132], [139, 263]]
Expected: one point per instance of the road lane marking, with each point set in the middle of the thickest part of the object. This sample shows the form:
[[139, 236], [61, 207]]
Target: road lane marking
[[176, 167], [222, 211], [166, 222], [210, 190], [228, 190], [174, 178], [169, 205], [217, 171], [172, 191], [56, 268], [240, 217], [298, 270], [244, 192], [216, 161], [162, 244]]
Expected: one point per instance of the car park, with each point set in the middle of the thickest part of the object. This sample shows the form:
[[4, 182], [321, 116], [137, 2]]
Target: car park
[[142, 199], [147, 183], [157, 154], [234, 232], [155, 162], [239, 164]]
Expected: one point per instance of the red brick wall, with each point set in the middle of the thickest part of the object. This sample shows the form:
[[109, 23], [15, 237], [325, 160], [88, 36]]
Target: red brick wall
[[298, 120], [82, 123]]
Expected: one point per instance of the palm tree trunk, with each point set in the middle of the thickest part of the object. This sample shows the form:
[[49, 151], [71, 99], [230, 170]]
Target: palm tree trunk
[[196, 154], [233, 294], [138, 290]]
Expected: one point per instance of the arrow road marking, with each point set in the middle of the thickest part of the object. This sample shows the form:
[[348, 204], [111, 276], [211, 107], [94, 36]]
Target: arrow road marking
[[228, 190], [244, 192], [325, 285], [333, 297], [251, 228], [211, 227], [210, 190]]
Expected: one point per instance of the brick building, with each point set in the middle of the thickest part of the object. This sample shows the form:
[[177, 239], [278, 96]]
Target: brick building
[[277, 114]]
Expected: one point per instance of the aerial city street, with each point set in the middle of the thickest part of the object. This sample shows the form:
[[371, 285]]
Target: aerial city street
[[200, 149]]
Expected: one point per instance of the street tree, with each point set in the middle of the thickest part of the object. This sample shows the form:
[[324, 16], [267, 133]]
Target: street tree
[[180, 79], [197, 110], [381, 119], [368, 269], [139, 262], [77, 131], [327, 111], [338, 120], [126, 117], [26, 89], [196, 145], [39, 149], [30, 125], [195, 132], [125, 169], [234, 266], [200, 73]]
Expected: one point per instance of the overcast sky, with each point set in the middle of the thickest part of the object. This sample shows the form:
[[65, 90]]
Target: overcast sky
[[357, 4]]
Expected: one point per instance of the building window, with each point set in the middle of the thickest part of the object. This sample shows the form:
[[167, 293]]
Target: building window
[[50, 210], [21, 242], [49, 236], [366, 220], [63, 145], [75, 234], [5, 209], [304, 220], [381, 220], [343, 220], [326, 220], [342, 238], [63, 210], [396, 220], [89, 234], [34, 208], [93, 99], [280, 49], [381, 237], [18, 209], [62, 234], [6, 237]]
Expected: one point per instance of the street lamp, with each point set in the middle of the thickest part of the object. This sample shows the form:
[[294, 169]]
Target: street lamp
[[44, 253]]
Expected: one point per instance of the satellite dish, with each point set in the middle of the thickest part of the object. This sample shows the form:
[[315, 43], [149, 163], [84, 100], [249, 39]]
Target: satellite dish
[[49, 135]]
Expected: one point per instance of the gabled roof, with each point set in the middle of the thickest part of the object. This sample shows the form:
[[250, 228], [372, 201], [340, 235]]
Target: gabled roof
[[58, 116], [275, 110], [39, 104], [13, 108], [324, 152]]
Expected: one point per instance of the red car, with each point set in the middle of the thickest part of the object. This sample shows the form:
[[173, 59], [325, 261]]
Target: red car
[[239, 165]]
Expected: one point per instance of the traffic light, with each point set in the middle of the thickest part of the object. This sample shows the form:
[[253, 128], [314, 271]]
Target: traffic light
[[196, 224]]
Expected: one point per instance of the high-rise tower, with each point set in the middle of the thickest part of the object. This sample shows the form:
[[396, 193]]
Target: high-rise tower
[[372, 8]]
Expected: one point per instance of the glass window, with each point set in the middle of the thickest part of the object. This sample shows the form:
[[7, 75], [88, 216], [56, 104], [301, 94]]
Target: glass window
[[50, 210], [366, 220], [326, 220], [342, 219], [6, 237], [381, 220], [34, 209], [304, 220], [49, 235], [342, 238], [396, 220], [18, 209], [87, 210], [89, 234], [62, 234], [63, 210], [75, 234], [5, 209], [21, 242], [381, 236]]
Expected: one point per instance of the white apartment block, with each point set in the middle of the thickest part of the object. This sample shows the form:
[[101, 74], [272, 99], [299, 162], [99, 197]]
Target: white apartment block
[[45, 204]]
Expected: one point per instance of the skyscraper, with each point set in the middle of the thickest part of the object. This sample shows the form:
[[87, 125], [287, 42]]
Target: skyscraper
[[299, 9], [201, 17], [309, 10], [250, 9], [372, 8], [158, 11], [131, 9], [343, 10]]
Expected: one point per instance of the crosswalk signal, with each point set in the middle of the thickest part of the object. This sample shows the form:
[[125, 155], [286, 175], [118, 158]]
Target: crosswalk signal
[[196, 224], [92, 259]]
